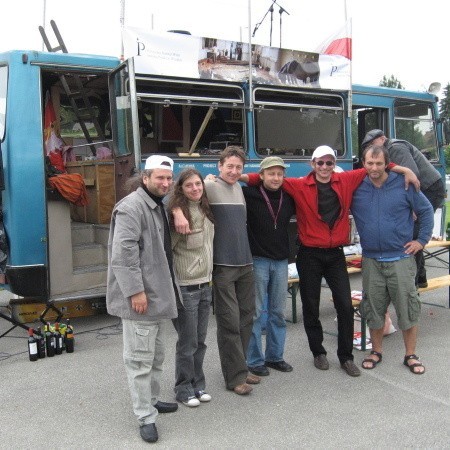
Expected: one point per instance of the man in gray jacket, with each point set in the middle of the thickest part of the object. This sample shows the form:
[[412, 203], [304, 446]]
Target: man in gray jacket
[[405, 154], [142, 289]]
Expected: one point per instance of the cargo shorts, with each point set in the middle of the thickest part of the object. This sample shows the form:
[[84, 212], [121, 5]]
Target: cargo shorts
[[390, 282]]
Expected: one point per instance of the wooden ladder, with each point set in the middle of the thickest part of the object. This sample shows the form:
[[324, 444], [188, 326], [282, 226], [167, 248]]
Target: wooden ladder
[[78, 97]]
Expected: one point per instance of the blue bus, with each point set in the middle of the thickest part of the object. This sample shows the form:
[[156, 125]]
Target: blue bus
[[57, 250]]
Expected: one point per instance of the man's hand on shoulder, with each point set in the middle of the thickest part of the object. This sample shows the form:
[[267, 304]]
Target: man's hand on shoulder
[[244, 178], [180, 222], [410, 176]]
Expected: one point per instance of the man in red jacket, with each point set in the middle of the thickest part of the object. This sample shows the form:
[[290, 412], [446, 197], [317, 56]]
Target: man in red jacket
[[322, 201]]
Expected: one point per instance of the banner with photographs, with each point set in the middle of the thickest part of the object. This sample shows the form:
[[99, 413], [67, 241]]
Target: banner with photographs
[[181, 55]]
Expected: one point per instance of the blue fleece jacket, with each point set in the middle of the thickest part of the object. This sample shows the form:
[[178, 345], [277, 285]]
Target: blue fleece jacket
[[384, 216]]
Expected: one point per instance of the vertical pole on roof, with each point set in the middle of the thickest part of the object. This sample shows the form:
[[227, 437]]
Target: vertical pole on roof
[[250, 67], [44, 8], [348, 25], [122, 24]]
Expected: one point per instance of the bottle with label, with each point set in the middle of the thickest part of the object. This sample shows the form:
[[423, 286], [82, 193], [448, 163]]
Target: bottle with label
[[50, 343], [62, 330], [58, 340], [32, 346], [70, 340], [40, 343]]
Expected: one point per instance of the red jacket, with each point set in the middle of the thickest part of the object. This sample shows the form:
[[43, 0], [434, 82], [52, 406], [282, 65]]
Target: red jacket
[[312, 230]]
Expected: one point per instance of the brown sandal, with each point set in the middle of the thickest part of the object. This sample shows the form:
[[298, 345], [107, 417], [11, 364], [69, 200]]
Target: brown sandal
[[413, 366], [372, 361]]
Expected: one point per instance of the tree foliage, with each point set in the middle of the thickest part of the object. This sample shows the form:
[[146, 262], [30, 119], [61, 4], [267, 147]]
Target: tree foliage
[[391, 82], [444, 105]]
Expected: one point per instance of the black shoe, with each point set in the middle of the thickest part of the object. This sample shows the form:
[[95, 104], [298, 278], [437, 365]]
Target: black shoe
[[149, 432], [282, 366], [351, 369], [261, 371], [164, 407], [321, 362]]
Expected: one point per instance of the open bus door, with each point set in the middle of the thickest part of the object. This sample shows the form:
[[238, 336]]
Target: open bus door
[[125, 125]]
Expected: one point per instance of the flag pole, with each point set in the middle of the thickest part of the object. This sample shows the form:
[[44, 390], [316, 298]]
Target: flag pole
[[43, 19], [250, 56], [348, 24], [122, 24]]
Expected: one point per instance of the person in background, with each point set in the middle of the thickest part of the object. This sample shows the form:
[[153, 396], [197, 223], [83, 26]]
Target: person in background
[[233, 278], [142, 288], [431, 184], [193, 262], [384, 215], [269, 211], [322, 201]]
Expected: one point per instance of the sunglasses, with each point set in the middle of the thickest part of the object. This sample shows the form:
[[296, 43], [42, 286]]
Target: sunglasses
[[328, 163]]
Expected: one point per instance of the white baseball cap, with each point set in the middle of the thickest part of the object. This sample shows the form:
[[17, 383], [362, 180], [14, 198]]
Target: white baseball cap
[[323, 150], [158, 162]]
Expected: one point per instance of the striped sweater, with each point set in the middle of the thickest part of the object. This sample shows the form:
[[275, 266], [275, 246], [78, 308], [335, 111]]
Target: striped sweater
[[193, 254]]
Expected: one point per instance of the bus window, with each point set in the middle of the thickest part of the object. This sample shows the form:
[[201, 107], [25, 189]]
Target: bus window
[[414, 123], [120, 99], [3, 90], [293, 124], [179, 117], [365, 119]]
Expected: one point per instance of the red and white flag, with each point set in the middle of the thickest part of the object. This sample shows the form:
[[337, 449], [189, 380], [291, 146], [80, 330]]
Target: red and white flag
[[335, 58], [339, 43]]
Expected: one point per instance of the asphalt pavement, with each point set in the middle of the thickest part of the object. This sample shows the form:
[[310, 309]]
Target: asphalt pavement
[[81, 400]]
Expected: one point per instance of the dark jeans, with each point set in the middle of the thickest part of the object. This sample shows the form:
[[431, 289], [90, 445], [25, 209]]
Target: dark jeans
[[191, 325], [312, 265], [435, 195], [234, 305]]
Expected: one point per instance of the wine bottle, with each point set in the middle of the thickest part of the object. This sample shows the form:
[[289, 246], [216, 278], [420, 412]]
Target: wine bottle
[[58, 340], [40, 344], [49, 341], [62, 330], [70, 340], [32, 346]]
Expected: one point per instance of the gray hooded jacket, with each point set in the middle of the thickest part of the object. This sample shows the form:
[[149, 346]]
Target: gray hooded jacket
[[137, 261]]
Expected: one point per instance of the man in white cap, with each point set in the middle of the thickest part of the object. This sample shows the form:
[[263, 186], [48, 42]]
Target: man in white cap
[[322, 201], [142, 288]]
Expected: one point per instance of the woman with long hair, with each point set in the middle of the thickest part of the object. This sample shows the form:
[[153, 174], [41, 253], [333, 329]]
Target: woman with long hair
[[193, 265]]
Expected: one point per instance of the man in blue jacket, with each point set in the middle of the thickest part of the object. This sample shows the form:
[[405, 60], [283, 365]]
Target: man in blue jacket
[[384, 213], [405, 154]]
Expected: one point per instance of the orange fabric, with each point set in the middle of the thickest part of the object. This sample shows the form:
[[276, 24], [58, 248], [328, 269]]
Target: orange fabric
[[56, 160], [71, 186]]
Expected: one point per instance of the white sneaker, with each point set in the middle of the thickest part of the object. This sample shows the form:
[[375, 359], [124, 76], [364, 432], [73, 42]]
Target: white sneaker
[[192, 402], [203, 396]]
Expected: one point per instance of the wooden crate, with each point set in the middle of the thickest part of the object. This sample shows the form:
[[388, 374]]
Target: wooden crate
[[100, 186]]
